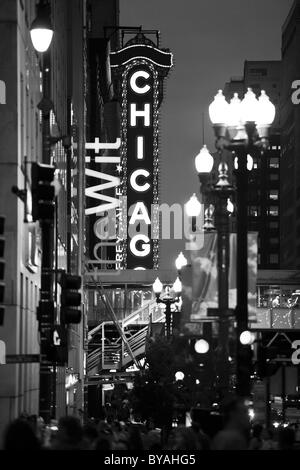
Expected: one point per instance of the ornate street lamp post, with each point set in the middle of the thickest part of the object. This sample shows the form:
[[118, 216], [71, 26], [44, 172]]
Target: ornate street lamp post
[[41, 32], [168, 300], [218, 194], [241, 126]]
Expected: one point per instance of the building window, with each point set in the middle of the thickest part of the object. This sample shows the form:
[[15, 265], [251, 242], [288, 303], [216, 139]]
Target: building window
[[259, 71], [274, 194], [254, 211], [274, 241], [274, 162], [274, 177], [273, 225], [274, 258], [273, 211]]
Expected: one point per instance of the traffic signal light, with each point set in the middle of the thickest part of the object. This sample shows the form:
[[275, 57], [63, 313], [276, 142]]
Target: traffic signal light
[[57, 345], [70, 298], [43, 192], [2, 269], [46, 311]]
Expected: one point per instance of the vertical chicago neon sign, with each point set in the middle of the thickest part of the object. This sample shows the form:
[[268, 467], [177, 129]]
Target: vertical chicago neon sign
[[140, 68]]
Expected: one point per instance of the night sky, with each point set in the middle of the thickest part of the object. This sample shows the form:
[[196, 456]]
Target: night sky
[[210, 40]]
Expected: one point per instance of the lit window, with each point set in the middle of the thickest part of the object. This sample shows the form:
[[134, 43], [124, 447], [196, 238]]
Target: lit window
[[273, 211], [274, 194], [274, 162], [254, 211]]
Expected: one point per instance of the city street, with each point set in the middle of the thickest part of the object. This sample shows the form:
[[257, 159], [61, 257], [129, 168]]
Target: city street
[[150, 227]]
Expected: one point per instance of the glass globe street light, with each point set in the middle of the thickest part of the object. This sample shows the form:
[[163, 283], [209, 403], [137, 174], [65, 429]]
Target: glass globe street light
[[243, 128], [250, 163], [179, 376], [193, 206], [249, 107], [230, 206], [41, 30], [204, 161], [201, 346], [266, 110], [247, 338], [177, 286], [157, 286], [180, 262], [234, 117], [218, 113], [266, 115]]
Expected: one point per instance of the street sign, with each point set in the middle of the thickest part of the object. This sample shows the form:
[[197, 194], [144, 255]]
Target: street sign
[[22, 358]]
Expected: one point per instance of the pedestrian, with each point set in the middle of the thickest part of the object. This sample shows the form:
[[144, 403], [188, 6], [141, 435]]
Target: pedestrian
[[20, 435], [134, 438], [197, 429], [268, 440], [69, 435], [234, 436], [182, 438], [90, 436], [286, 438], [256, 441]]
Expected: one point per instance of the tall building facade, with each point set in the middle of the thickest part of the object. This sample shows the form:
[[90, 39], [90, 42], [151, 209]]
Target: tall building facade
[[264, 178], [30, 80], [290, 124]]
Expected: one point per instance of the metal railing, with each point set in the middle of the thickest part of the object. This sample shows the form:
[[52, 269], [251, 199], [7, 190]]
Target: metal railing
[[114, 355]]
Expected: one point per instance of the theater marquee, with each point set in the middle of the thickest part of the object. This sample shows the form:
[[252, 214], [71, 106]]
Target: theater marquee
[[140, 68]]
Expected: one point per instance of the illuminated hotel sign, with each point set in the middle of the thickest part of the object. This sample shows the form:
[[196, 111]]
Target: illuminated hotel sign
[[140, 68]]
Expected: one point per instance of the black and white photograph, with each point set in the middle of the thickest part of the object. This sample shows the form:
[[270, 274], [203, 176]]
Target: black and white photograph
[[150, 228]]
